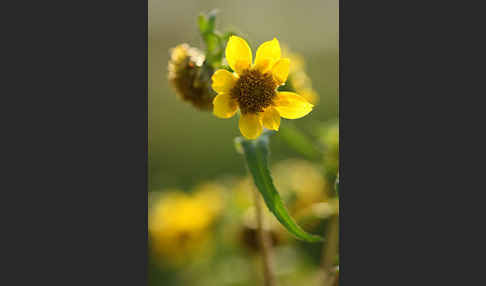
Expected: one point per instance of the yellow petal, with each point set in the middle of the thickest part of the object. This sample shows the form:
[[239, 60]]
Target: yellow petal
[[290, 105], [309, 94], [224, 106], [268, 51], [263, 65], [250, 125], [271, 119], [223, 81], [238, 54], [281, 70]]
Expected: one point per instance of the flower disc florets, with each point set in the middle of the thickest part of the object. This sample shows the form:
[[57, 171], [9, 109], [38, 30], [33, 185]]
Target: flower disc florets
[[254, 91]]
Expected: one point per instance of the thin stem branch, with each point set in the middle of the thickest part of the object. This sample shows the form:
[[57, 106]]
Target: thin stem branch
[[265, 243], [330, 251]]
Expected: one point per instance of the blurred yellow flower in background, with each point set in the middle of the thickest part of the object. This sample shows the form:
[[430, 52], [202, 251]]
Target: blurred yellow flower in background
[[179, 223], [211, 194], [242, 193], [304, 190], [185, 67], [301, 182], [253, 88], [298, 78]]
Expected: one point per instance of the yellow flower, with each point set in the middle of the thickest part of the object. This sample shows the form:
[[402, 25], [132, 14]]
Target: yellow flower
[[179, 225], [211, 195], [252, 88]]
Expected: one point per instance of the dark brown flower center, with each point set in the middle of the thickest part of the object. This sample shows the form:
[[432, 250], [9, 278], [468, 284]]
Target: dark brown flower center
[[254, 91]]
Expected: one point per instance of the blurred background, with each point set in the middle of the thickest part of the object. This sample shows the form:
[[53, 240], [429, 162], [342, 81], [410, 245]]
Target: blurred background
[[201, 225]]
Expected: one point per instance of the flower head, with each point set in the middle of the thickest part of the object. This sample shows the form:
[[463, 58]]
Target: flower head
[[184, 68], [252, 88]]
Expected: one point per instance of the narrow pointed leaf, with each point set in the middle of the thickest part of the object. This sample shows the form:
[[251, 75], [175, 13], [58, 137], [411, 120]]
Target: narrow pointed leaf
[[256, 154]]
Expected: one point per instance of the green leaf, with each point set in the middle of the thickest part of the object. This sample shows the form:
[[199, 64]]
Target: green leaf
[[206, 22], [212, 18], [299, 141], [212, 42], [256, 154], [212, 38], [202, 23]]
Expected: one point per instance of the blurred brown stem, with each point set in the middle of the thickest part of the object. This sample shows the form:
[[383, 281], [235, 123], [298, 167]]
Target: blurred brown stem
[[330, 250], [264, 243]]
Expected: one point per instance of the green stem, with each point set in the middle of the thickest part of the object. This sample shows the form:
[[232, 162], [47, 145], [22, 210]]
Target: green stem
[[264, 243], [330, 250]]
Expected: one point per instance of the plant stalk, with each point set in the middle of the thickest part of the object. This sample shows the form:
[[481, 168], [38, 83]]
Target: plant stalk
[[264, 243], [330, 250]]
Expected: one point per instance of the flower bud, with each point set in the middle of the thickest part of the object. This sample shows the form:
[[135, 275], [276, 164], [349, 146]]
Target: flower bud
[[188, 77]]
